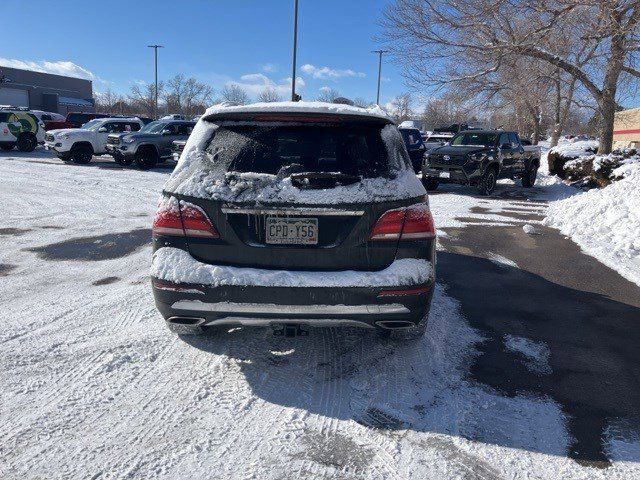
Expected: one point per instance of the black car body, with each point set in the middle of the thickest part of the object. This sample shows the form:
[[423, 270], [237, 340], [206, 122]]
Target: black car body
[[303, 215], [481, 157], [415, 146]]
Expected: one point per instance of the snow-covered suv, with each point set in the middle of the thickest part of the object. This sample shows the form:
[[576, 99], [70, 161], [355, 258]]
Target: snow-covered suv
[[290, 214], [80, 144]]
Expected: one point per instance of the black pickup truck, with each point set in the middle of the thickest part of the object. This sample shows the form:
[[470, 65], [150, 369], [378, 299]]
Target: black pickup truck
[[480, 158]]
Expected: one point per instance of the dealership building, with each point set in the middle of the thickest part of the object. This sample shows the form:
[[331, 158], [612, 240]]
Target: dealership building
[[44, 91]]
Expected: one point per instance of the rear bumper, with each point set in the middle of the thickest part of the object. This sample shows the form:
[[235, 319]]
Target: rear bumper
[[250, 305], [398, 296]]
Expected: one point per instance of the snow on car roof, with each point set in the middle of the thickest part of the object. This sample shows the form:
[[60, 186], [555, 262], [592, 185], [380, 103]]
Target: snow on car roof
[[118, 119], [299, 107]]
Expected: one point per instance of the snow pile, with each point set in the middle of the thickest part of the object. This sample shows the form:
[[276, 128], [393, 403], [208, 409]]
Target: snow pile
[[630, 166], [605, 222], [576, 149], [175, 265]]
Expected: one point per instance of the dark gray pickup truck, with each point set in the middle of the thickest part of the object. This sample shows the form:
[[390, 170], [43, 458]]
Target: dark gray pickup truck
[[480, 158], [151, 145]]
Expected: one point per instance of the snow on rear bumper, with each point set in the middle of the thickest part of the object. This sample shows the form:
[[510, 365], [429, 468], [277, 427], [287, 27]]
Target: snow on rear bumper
[[223, 295], [177, 266]]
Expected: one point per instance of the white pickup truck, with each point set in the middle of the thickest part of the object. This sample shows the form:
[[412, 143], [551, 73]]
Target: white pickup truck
[[81, 144]]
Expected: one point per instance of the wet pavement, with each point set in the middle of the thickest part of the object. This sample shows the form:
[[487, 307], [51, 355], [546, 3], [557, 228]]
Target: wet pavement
[[551, 293], [102, 247]]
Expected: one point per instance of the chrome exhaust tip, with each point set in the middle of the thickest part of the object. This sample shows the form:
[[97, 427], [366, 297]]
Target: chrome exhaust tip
[[185, 325]]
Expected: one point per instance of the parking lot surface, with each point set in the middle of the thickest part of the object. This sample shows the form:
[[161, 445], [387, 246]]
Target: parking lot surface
[[529, 368]]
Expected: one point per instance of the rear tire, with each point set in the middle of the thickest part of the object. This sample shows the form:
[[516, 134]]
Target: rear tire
[[146, 158], [529, 177], [81, 154], [27, 142], [430, 184], [487, 183], [7, 146]]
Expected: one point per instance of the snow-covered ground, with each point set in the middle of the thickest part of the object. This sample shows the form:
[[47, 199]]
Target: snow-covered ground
[[604, 222], [94, 385]]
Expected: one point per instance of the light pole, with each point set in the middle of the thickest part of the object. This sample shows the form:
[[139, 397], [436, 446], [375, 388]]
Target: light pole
[[294, 97], [379, 52], [155, 105]]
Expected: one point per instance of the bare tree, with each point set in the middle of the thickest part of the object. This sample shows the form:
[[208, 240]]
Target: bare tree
[[361, 102], [142, 98], [235, 94], [187, 96], [109, 102], [328, 95], [400, 108], [441, 33], [445, 110], [269, 94]]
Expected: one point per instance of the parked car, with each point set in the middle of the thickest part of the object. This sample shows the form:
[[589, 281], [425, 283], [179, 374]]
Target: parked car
[[47, 117], [144, 120], [315, 220], [415, 146], [437, 140], [176, 148], [174, 116], [481, 157], [151, 145], [75, 120], [81, 144], [20, 128]]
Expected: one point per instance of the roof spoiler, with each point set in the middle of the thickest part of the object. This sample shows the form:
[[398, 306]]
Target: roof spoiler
[[296, 117]]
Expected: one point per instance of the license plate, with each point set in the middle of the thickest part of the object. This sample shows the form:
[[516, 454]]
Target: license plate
[[292, 231], [445, 175]]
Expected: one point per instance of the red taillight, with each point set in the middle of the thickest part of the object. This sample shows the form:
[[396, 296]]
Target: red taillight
[[389, 225], [418, 223], [297, 118], [167, 220], [195, 222], [405, 291], [182, 219], [409, 223]]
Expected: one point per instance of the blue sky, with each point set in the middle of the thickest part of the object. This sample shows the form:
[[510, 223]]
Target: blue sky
[[216, 41]]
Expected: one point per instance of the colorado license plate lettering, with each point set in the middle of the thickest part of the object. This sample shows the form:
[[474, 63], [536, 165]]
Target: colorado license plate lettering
[[292, 231]]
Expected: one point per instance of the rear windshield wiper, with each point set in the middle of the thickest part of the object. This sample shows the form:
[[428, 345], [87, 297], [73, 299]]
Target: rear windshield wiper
[[311, 180]]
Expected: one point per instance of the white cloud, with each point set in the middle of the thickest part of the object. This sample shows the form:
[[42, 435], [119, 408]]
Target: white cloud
[[269, 68], [68, 69], [324, 89], [254, 83], [324, 73]]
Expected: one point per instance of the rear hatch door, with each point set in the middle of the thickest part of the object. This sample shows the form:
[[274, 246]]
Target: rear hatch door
[[309, 223]]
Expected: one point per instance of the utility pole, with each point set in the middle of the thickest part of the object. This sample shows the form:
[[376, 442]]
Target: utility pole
[[155, 105], [294, 97], [379, 52]]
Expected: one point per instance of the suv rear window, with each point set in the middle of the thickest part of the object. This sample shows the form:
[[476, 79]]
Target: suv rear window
[[355, 150]]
